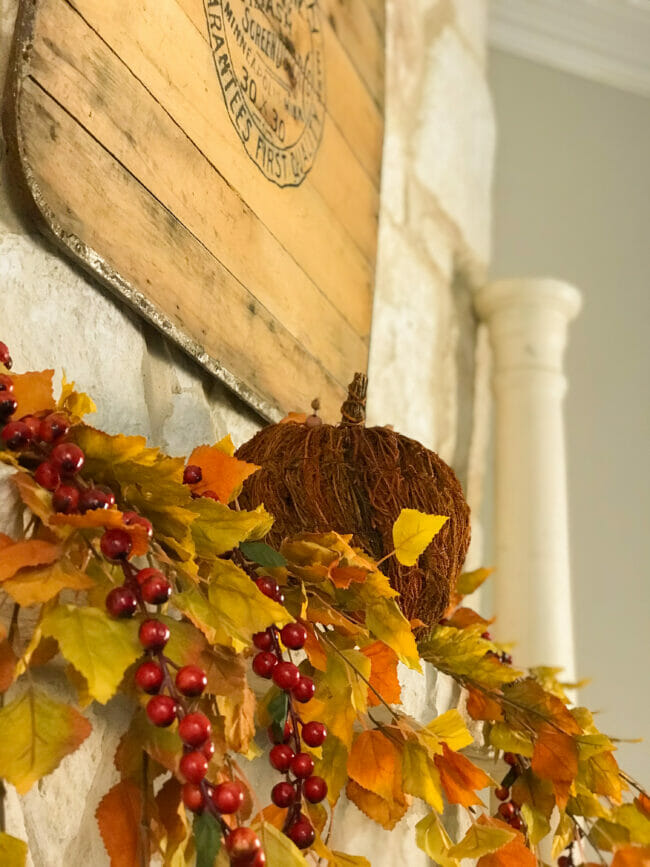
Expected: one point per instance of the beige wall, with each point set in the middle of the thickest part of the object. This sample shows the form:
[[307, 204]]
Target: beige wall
[[572, 200]]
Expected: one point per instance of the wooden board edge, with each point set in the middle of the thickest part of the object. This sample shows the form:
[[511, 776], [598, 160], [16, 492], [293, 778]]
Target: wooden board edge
[[30, 202]]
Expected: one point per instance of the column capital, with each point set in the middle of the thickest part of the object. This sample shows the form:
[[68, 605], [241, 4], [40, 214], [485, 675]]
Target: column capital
[[522, 292]]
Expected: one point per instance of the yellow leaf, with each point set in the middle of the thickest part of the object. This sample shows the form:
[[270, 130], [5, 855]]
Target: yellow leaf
[[374, 762], [563, 835], [332, 767], [29, 552], [36, 498], [36, 733], [510, 740], [463, 653], [387, 623], [383, 673], [13, 852], [35, 586], [421, 777], [33, 391], [537, 824], [637, 823], [98, 646], [431, 837], [239, 720], [448, 727], [332, 703], [218, 529], [468, 582], [537, 795], [221, 473], [279, 849], [161, 744], [75, 403], [481, 840], [413, 532], [600, 774]]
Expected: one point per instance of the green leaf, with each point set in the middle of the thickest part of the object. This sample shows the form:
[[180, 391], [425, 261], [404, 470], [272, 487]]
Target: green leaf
[[432, 838], [13, 852], [279, 850], [387, 623], [278, 709], [481, 840], [207, 838], [262, 554], [413, 532], [98, 646], [36, 733], [218, 529]]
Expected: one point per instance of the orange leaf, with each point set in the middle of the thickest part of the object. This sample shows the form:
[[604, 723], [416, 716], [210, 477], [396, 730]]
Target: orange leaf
[[32, 552], [632, 856], [463, 617], [383, 673], [106, 518], [555, 758], [343, 576], [386, 813], [460, 777], [294, 418], [514, 854], [482, 707], [221, 473], [643, 804], [33, 391], [118, 816], [374, 763], [36, 498], [275, 816], [314, 650], [7, 663]]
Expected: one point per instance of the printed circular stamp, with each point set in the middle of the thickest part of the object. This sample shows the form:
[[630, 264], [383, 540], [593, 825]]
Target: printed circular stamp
[[269, 58]]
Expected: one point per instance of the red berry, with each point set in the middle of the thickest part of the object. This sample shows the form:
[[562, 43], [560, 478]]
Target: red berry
[[268, 586], [110, 496], [93, 498], [507, 810], [16, 435], [516, 822], [68, 458], [286, 675], [283, 794], [161, 710], [65, 499], [116, 544], [259, 860], [47, 476], [228, 797], [264, 663], [153, 635], [193, 797], [5, 357], [274, 735], [194, 729], [510, 758], [302, 834], [281, 756], [302, 766], [144, 574], [6, 384], [304, 690], [242, 843], [193, 766], [121, 602], [149, 677], [315, 789], [191, 680], [502, 793], [506, 658], [33, 423], [208, 750], [564, 861], [263, 640], [133, 519], [156, 590], [294, 636], [486, 636], [53, 427], [8, 406], [314, 733], [211, 495], [192, 475]]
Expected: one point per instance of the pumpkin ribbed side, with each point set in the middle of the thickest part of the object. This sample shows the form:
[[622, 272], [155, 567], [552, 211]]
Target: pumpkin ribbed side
[[354, 479]]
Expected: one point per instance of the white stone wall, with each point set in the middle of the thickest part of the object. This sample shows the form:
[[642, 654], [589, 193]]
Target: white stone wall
[[427, 368]]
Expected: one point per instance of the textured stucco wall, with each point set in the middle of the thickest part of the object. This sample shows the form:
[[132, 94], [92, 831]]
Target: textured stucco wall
[[427, 368]]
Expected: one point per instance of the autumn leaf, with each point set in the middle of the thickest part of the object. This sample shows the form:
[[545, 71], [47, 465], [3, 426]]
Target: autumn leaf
[[36, 733], [510, 740], [636, 821], [33, 391], [432, 838], [171, 817], [387, 623], [515, 853], [540, 706], [449, 727], [30, 552], [460, 777], [7, 663], [600, 774], [36, 498], [75, 404], [463, 653], [238, 719], [279, 849], [483, 707], [385, 813], [98, 646], [13, 852], [119, 815], [35, 586], [332, 767], [343, 576], [468, 582], [562, 836], [221, 473], [383, 673], [374, 763], [631, 856], [161, 744], [536, 793], [413, 532], [316, 654], [421, 776], [218, 529], [555, 758], [480, 840], [335, 689], [461, 618]]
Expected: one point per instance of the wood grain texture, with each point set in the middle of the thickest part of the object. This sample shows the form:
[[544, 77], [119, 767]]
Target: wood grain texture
[[136, 165]]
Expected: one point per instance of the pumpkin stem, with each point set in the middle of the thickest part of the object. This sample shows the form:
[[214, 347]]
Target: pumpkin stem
[[353, 411]]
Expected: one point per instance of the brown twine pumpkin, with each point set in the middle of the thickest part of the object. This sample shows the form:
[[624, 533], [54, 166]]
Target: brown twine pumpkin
[[316, 477]]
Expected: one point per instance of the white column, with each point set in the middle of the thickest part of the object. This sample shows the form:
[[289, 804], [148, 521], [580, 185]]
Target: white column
[[528, 323]]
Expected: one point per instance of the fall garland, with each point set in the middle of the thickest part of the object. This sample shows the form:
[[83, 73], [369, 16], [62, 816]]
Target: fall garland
[[137, 573]]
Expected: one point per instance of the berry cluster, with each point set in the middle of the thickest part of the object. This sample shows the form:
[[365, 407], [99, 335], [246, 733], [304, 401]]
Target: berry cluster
[[287, 755], [509, 809], [504, 657]]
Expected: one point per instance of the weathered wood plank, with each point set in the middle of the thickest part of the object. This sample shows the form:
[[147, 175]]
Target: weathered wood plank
[[150, 248], [97, 88]]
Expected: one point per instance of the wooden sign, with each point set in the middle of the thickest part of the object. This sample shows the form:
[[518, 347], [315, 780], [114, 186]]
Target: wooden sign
[[216, 163]]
